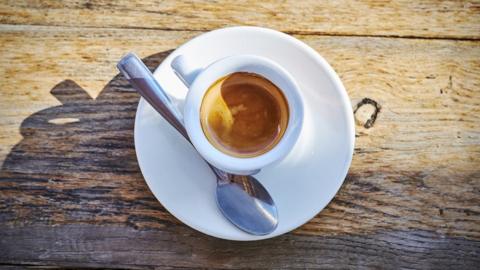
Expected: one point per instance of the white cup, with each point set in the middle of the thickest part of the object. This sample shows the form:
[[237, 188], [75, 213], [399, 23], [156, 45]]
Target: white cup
[[199, 80]]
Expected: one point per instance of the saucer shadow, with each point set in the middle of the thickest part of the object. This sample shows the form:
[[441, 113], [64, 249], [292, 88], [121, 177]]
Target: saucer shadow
[[76, 162]]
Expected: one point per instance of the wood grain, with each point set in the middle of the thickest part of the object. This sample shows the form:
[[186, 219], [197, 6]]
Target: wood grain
[[427, 18], [71, 193], [177, 247], [35, 59]]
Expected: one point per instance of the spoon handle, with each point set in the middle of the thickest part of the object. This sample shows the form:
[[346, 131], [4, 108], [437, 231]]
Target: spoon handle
[[143, 81]]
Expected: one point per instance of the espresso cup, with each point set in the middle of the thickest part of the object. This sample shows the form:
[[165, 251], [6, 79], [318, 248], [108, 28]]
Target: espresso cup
[[199, 80]]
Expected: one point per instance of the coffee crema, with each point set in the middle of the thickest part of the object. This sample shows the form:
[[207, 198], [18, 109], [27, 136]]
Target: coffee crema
[[244, 114]]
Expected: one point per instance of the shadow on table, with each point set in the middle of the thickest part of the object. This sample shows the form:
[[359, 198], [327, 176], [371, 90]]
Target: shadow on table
[[76, 162]]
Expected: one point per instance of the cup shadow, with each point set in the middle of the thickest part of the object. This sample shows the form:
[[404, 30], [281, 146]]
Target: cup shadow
[[76, 162]]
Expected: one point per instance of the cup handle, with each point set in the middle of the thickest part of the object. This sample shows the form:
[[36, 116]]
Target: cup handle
[[184, 70]]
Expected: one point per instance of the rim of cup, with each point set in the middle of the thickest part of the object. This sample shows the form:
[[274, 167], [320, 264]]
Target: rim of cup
[[243, 63]]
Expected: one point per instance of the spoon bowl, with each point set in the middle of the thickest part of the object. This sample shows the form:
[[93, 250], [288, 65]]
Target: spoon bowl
[[247, 204]]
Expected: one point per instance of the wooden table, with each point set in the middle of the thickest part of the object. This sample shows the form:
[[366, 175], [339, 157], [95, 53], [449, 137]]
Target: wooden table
[[72, 195]]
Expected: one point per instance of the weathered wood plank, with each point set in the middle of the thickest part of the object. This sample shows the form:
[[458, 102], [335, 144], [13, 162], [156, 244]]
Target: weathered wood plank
[[180, 247], [70, 184], [427, 18], [35, 59]]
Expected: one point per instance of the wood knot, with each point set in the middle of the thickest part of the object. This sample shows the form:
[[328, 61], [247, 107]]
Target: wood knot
[[88, 5], [366, 112]]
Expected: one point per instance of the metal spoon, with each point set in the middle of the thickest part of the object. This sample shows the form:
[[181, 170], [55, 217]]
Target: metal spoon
[[241, 199]]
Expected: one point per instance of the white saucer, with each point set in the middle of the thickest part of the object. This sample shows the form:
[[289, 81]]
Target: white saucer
[[301, 185]]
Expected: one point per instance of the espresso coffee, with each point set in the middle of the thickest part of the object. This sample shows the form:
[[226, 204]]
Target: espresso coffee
[[244, 114]]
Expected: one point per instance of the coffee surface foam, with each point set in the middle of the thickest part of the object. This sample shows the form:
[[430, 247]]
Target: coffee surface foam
[[244, 114]]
